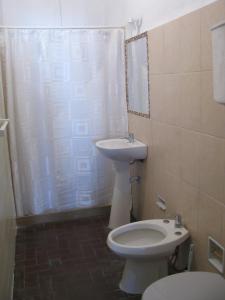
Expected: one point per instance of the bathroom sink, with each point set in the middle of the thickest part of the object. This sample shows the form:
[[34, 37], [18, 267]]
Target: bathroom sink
[[122, 149]]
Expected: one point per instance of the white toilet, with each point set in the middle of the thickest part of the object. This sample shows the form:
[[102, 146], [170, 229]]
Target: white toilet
[[146, 245], [187, 286]]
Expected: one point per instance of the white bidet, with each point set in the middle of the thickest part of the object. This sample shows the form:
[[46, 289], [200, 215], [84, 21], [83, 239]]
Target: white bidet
[[146, 245]]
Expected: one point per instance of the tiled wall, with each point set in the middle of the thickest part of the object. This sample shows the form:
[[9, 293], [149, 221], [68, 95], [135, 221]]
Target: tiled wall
[[186, 132], [7, 225], [7, 220]]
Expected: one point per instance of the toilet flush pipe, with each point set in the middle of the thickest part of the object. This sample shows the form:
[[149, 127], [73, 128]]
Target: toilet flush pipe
[[190, 257]]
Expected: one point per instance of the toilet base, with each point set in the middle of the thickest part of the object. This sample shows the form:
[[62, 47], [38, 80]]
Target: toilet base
[[139, 274]]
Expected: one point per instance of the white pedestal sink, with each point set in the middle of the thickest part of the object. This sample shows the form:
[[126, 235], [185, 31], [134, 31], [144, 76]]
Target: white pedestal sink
[[122, 152]]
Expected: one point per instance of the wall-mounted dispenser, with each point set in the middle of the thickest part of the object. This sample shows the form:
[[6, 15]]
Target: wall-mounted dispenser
[[218, 45]]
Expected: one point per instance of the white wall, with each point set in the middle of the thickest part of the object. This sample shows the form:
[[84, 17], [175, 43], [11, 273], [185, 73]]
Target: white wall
[[30, 12], [1, 20], [157, 12], [62, 12], [94, 12]]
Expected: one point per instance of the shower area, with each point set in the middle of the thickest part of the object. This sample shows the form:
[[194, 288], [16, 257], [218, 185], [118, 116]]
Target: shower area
[[63, 89]]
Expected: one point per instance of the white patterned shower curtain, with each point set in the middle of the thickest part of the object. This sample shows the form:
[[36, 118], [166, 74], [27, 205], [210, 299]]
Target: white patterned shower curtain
[[65, 89]]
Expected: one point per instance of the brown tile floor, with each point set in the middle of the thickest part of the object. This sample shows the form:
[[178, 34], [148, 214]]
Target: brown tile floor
[[67, 261]]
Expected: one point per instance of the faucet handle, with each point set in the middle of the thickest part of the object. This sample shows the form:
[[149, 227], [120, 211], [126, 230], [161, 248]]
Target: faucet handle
[[131, 137], [178, 221]]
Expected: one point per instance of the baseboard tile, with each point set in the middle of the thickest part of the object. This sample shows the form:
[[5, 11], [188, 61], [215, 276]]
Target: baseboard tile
[[63, 216]]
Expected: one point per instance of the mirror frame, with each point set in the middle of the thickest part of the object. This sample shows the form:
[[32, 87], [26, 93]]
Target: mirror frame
[[128, 41]]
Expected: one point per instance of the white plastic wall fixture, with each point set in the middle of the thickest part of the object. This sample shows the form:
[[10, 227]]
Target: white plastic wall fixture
[[218, 47], [216, 255], [3, 125]]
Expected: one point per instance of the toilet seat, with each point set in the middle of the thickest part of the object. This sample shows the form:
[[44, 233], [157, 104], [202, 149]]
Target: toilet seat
[[187, 286]]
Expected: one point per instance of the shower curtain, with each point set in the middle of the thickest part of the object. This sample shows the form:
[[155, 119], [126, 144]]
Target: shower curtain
[[65, 89]]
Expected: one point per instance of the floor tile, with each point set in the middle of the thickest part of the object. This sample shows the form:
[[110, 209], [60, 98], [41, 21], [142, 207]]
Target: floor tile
[[67, 260]]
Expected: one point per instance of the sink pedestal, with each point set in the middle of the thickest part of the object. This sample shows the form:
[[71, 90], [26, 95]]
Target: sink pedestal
[[121, 151], [121, 200]]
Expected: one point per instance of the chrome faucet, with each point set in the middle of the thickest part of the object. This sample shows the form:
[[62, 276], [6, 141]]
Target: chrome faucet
[[130, 137], [178, 221]]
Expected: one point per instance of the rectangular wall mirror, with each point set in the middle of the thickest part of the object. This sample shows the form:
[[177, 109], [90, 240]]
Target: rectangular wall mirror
[[137, 75]]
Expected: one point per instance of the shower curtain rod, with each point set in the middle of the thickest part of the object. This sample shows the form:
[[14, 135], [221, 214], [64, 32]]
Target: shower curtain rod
[[62, 27]]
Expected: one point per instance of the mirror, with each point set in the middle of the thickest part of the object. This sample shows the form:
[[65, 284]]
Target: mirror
[[137, 75]]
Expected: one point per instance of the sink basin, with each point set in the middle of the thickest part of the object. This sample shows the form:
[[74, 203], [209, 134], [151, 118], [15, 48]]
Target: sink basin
[[122, 149]]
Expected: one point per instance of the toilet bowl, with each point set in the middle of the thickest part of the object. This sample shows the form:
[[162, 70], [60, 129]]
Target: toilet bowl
[[146, 245], [187, 286]]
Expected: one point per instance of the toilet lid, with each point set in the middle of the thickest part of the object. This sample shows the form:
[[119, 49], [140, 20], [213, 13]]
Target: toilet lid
[[187, 286]]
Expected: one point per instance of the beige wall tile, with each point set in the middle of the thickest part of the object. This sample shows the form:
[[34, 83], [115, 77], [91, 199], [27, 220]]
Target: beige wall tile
[[210, 214], [190, 42], [156, 51], [7, 224], [153, 211], [172, 38], [210, 15], [190, 101], [212, 167], [141, 127], [173, 198], [156, 212], [157, 99], [166, 147], [145, 189], [187, 207], [212, 113], [190, 155], [223, 227], [165, 98], [167, 186], [172, 96]]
